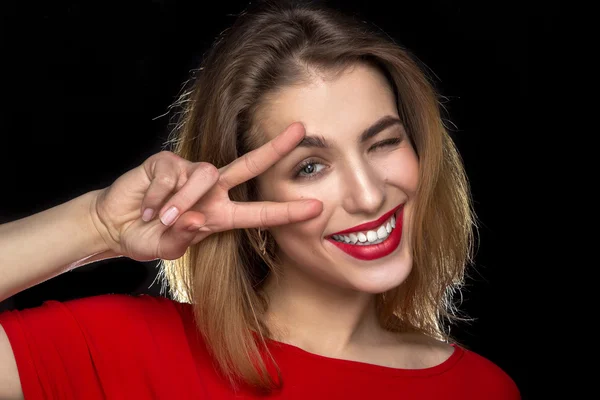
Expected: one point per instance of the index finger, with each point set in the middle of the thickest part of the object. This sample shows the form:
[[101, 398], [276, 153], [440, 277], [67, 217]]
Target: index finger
[[259, 160]]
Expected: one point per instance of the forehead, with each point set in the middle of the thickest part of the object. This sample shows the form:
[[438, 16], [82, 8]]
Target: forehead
[[344, 104]]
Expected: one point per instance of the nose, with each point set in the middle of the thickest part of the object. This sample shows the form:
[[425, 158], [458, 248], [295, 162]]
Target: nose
[[363, 190]]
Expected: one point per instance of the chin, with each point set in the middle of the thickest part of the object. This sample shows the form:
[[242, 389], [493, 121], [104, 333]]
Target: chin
[[380, 279], [323, 263]]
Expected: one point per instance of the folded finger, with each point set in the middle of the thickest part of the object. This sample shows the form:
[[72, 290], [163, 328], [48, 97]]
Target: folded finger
[[203, 177]]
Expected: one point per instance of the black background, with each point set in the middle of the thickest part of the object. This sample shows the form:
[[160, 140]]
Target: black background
[[85, 89]]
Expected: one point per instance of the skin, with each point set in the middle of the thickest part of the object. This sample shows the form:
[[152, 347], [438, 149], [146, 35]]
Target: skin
[[324, 301]]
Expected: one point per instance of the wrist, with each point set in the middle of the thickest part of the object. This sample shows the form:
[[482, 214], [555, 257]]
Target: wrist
[[101, 238]]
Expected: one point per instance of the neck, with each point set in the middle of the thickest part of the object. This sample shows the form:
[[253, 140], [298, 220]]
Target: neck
[[317, 316]]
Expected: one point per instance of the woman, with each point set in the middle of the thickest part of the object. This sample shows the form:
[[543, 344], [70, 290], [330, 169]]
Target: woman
[[313, 218]]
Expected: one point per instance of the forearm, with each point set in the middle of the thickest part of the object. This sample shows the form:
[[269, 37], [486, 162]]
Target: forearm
[[44, 245]]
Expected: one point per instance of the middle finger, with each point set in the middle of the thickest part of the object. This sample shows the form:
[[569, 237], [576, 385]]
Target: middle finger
[[259, 160]]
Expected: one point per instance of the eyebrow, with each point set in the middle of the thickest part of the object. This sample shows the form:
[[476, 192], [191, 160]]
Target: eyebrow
[[373, 130]]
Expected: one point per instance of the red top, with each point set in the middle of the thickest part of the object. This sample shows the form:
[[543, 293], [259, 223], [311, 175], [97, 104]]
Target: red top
[[144, 347]]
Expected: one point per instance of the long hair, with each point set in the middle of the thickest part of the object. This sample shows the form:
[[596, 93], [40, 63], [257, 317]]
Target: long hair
[[267, 48]]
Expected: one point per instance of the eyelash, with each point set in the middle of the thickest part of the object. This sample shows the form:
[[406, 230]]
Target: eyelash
[[387, 142], [301, 166]]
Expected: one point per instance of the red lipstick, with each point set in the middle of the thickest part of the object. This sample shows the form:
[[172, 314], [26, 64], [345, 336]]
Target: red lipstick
[[369, 225], [375, 251]]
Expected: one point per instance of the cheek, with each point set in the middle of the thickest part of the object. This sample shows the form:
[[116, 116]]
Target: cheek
[[277, 190], [402, 169], [300, 232], [282, 190], [296, 241]]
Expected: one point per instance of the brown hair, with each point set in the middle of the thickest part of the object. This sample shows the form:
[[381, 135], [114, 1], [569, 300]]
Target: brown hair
[[268, 48]]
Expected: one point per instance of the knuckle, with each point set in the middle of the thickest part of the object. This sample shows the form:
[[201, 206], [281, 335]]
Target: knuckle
[[208, 170], [161, 156], [251, 165], [161, 160], [166, 181], [167, 153], [264, 216], [279, 152]]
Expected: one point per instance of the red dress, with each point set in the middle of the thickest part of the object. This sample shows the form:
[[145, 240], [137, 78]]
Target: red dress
[[144, 347]]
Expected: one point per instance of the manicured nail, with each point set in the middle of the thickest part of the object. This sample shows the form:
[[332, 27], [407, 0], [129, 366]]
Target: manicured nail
[[148, 214], [169, 216]]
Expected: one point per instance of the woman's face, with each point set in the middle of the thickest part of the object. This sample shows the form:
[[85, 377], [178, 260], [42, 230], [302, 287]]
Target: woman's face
[[357, 159]]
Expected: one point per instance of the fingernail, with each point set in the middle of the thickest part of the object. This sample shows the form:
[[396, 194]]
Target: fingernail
[[148, 214], [169, 216]]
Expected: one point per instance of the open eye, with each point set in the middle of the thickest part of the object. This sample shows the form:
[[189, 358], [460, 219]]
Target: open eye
[[309, 169]]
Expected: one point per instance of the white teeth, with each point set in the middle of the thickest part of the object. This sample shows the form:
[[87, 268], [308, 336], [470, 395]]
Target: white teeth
[[370, 237]]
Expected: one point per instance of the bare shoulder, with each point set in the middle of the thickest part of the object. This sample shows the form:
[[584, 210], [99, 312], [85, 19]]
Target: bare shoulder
[[10, 384]]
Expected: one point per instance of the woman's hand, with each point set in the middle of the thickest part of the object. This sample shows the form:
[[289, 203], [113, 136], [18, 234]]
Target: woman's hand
[[160, 208]]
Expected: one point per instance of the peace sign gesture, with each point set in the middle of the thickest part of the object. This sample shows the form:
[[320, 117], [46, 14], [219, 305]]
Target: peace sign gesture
[[160, 208]]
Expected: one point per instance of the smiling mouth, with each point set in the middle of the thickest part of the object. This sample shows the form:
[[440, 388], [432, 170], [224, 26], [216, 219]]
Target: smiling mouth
[[372, 240], [368, 237], [369, 233]]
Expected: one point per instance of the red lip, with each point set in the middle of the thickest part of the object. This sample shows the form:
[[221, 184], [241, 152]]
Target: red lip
[[370, 225], [375, 251]]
